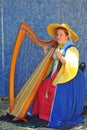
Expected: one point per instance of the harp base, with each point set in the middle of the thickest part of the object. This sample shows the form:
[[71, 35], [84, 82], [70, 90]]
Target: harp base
[[20, 118]]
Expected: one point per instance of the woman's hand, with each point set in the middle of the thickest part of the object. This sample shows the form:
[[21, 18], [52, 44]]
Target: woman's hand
[[45, 48], [60, 57], [58, 53]]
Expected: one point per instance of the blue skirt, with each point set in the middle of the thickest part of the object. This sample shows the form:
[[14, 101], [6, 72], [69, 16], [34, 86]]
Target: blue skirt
[[68, 102]]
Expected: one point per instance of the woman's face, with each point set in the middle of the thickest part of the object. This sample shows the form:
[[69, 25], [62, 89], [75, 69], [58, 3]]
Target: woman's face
[[61, 36]]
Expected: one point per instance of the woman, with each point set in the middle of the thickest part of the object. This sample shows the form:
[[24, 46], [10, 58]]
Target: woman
[[60, 98]]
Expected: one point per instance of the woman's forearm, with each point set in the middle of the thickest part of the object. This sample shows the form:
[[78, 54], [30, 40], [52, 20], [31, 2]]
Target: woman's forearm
[[62, 59]]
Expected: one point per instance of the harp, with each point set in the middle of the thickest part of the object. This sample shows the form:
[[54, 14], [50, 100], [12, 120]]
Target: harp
[[19, 105]]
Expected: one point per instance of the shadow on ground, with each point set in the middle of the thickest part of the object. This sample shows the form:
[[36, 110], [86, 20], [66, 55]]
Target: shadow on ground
[[7, 125]]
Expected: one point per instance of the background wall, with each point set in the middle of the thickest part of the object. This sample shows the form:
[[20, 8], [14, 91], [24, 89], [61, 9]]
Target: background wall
[[38, 14]]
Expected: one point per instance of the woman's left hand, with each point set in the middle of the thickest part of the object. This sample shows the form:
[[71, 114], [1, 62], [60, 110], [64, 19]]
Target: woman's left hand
[[60, 57]]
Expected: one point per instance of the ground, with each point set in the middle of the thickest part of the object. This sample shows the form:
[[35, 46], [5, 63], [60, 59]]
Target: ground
[[9, 126]]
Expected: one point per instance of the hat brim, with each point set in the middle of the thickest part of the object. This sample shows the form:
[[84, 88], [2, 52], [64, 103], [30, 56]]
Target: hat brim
[[52, 28]]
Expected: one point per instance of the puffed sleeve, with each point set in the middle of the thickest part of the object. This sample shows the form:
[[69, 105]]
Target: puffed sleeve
[[70, 69]]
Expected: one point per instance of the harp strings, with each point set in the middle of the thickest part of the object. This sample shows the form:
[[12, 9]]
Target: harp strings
[[26, 62]]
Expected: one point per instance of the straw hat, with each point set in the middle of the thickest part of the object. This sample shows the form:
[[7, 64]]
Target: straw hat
[[51, 29]]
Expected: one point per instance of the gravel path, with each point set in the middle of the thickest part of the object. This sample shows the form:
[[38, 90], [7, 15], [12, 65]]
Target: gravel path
[[9, 126]]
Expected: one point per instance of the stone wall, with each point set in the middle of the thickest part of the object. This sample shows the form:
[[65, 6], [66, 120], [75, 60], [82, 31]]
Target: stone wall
[[38, 14]]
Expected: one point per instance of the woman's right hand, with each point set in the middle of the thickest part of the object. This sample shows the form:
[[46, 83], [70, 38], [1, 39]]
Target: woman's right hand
[[45, 48], [58, 53]]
